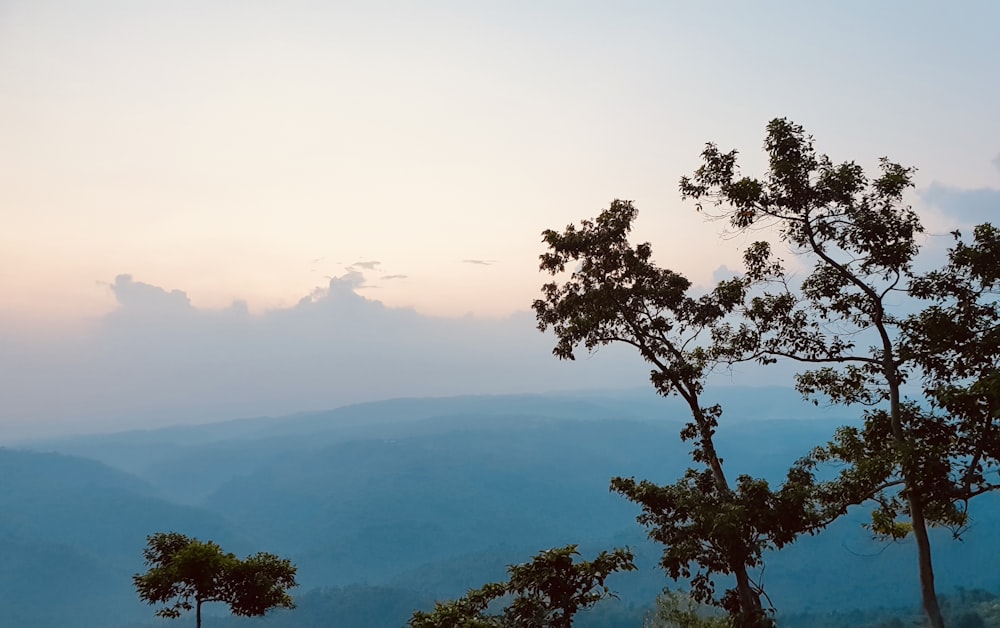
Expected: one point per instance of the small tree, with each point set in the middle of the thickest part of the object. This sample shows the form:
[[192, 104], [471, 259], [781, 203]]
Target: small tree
[[184, 573], [676, 609], [545, 593]]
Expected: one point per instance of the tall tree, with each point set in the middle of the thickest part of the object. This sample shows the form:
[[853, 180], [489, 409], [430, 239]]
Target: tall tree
[[616, 294], [861, 240], [544, 593], [185, 573]]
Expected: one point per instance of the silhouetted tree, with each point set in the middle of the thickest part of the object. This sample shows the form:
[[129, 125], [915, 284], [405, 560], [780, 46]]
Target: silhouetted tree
[[616, 294], [185, 573], [861, 241]]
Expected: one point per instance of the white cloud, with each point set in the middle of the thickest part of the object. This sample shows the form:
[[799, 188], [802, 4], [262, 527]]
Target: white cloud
[[136, 294], [158, 359], [723, 273]]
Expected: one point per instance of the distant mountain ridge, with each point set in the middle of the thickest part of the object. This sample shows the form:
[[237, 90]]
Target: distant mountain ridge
[[423, 497]]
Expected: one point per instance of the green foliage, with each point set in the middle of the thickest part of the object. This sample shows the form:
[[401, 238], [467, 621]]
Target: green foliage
[[955, 343], [616, 294], [674, 609], [259, 583], [862, 240], [702, 528], [184, 570], [857, 232], [544, 593]]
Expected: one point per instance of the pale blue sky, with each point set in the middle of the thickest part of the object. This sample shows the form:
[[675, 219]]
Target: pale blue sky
[[248, 151]]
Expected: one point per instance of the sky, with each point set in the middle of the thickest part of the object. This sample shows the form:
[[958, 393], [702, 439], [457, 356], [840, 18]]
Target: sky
[[187, 185]]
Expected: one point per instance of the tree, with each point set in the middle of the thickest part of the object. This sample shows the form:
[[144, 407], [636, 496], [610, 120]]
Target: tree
[[616, 294], [184, 573], [544, 593], [861, 241]]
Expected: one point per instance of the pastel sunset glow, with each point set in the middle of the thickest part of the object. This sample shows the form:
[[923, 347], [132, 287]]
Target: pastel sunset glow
[[250, 152]]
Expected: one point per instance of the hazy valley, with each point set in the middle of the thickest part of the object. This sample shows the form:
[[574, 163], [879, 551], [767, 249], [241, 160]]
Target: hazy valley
[[385, 507]]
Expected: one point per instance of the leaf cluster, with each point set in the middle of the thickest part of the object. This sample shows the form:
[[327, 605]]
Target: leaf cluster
[[951, 448], [544, 593], [676, 609], [862, 239], [954, 342], [706, 531], [617, 294]]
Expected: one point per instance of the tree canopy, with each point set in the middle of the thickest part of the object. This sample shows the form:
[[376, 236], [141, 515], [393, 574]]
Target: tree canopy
[[917, 458], [861, 319], [544, 593], [617, 294], [185, 573]]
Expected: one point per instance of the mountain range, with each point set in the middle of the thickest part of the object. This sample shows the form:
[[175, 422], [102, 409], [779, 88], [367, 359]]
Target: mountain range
[[387, 506]]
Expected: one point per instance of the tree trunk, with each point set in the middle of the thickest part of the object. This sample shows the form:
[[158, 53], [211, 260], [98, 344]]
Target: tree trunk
[[197, 612], [751, 613], [915, 503], [928, 595], [749, 600]]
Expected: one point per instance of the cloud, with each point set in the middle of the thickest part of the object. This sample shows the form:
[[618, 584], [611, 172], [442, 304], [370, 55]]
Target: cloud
[[364, 265], [966, 206], [136, 294], [723, 273], [394, 277], [479, 262], [347, 282], [996, 161], [157, 359]]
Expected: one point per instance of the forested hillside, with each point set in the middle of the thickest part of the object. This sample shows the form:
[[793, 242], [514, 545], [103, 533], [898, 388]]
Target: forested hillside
[[387, 507]]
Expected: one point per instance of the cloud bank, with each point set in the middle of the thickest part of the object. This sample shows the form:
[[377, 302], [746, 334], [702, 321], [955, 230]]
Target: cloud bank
[[157, 359]]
